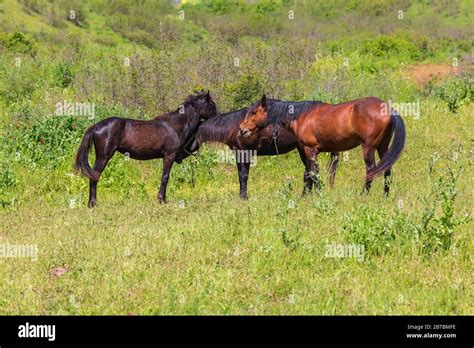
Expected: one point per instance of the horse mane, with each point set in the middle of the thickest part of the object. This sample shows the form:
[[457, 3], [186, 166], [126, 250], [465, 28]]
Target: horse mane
[[279, 110], [176, 114], [219, 128]]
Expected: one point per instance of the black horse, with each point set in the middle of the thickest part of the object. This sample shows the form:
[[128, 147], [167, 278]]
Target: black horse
[[271, 140], [165, 136]]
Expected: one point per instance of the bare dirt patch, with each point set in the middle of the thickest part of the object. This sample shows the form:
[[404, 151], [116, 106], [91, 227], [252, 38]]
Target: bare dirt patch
[[424, 73]]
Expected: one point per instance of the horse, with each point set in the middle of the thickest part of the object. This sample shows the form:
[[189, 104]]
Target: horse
[[164, 136], [225, 129], [321, 127]]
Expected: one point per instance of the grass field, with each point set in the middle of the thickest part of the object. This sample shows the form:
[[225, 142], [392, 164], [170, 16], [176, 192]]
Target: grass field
[[217, 254], [206, 251]]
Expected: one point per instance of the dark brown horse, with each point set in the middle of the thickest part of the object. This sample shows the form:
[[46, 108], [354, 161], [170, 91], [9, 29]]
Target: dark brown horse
[[225, 129], [165, 136], [321, 127]]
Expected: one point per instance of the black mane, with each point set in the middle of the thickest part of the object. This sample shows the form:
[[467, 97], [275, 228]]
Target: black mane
[[177, 114], [219, 128], [279, 110]]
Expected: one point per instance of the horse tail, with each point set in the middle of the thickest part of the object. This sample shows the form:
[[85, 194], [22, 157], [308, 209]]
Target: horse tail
[[82, 156], [395, 150]]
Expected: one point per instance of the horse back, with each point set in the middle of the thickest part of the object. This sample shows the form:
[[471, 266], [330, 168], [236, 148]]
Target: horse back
[[340, 127]]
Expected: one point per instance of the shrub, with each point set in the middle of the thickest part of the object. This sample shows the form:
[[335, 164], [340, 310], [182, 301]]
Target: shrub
[[19, 43], [74, 11], [244, 91], [46, 142], [268, 6], [63, 75], [186, 172], [8, 181], [386, 46], [207, 160], [24, 110], [17, 83], [219, 6], [32, 6], [370, 227], [454, 92], [139, 23], [438, 221]]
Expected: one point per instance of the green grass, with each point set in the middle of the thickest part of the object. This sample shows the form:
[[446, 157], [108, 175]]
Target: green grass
[[206, 251], [220, 255]]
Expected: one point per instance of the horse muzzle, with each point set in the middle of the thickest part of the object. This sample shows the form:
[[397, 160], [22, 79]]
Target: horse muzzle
[[244, 132]]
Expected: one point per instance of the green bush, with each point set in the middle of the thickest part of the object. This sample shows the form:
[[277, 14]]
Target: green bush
[[19, 42], [430, 233], [8, 182], [245, 91], [32, 6], [454, 92], [63, 75], [267, 6], [186, 172], [370, 227], [384, 46], [8, 179], [18, 83], [47, 142], [219, 6], [24, 110], [438, 221]]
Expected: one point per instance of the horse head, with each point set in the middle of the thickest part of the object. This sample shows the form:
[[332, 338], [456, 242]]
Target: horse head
[[255, 119]]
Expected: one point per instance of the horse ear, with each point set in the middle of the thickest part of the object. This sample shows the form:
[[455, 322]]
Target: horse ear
[[263, 102], [208, 95]]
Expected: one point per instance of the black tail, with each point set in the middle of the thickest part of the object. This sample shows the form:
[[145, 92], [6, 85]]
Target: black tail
[[82, 156], [395, 149]]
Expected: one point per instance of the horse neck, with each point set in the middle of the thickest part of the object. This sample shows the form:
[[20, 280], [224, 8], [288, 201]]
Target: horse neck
[[217, 129], [299, 109], [186, 123]]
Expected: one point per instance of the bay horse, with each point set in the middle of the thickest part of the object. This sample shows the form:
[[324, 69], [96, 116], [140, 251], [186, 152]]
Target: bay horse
[[321, 127], [225, 129], [164, 136]]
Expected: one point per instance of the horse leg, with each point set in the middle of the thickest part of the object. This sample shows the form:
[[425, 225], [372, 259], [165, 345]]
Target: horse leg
[[243, 169], [333, 167], [381, 150], [100, 162], [369, 158], [312, 166], [167, 164], [99, 166], [308, 183]]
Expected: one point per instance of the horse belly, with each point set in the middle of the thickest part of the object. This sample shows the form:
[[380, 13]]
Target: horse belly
[[336, 135], [140, 155], [142, 143], [271, 150], [345, 144]]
